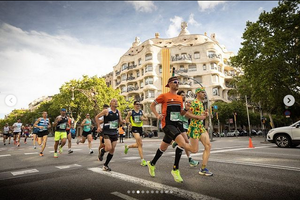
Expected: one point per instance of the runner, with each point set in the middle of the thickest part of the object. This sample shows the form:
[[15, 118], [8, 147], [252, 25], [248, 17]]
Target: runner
[[197, 131], [17, 132], [121, 133], [100, 131], [43, 124], [61, 123], [26, 130], [183, 128], [69, 136], [136, 117], [34, 138], [172, 107], [73, 132], [86, 133], [6, 134], [112, 119]]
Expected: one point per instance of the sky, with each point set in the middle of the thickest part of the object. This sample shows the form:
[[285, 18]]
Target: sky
[[45, 44]]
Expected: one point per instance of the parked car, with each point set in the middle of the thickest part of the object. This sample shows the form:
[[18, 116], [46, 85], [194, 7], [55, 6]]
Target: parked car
[[233, 133], [216, 134], [287, 136], [243, 133]]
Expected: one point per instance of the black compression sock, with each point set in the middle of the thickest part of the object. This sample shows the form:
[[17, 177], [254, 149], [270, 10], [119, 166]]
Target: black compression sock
[[108, 158], [156, 157], [178, 153]]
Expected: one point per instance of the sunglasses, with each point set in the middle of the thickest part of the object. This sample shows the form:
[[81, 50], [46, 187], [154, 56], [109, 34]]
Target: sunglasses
[[176, 82]]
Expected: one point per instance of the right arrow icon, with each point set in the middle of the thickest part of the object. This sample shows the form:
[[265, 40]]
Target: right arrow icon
[[288, 100]]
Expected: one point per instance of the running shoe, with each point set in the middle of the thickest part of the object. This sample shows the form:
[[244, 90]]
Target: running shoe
[[143, 162], [55, 155], [151, 169], [34, 147], [25, 142], [15, 143], [91, 151], [70, 151], [193, 163], [100, 156], [176, 175], [41, 154], [4, 144], [106, 168], [18, 144], [60, 150], [174, 144], [205, 172], [77, 142], [126, 149]]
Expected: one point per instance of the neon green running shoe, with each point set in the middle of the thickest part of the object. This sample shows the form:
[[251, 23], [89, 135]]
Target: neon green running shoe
[[126, 149], [176, 175], [143, 162], [55, 155], [60, 150], [174, 144], [151, 169]]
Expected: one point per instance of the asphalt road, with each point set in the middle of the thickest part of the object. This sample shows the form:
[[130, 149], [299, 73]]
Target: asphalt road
[[263, 172]]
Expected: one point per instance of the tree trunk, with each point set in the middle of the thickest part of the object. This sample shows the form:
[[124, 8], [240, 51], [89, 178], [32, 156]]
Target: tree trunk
[[271, 120]]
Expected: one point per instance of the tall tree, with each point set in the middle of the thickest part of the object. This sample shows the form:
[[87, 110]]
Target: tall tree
[[269, 58]]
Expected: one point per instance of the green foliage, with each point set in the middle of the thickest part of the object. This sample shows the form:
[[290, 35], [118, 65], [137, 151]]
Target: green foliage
[[269, 58], [80, 106]]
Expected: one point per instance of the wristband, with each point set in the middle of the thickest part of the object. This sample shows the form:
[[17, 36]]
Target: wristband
[[185, 109]]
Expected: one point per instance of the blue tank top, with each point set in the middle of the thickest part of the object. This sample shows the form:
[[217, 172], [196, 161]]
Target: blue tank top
[[44, 123]]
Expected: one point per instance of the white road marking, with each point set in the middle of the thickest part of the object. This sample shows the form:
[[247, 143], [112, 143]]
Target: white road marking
[[150, 184], [131, 158], [226, 150], [5, 155], [289, 168], [67, 166], [123, 196], [31, 153], [29, 171], [66, 150]]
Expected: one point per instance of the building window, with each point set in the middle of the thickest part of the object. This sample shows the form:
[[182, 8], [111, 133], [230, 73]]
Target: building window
[[148, 56], [141, 84], [123, 89], [149, 80], [215, 91], [204, 67], [197, 55], [123, 77], [124, 66], [213, 66], [192, 68], [160, 69], [139, 61], [148, 68], [211, 54], [150, 94], [142, 72], [137, 73], [219, 68], [198, 79], [215, 78]]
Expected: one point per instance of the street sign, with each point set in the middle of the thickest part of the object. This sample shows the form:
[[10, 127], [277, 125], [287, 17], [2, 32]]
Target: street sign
[[215, 107], [287, 113]]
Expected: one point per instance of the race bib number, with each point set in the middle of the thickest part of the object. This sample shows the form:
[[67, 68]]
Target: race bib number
[[137, 118], [113, 124], [174, 116], [63, 126]]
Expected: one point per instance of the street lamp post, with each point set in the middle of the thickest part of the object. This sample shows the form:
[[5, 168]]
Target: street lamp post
[[210, 128]]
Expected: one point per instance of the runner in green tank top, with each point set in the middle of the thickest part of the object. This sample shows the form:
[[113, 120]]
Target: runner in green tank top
[[86, 133]]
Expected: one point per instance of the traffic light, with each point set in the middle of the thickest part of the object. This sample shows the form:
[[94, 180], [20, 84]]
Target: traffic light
[[173, 71]]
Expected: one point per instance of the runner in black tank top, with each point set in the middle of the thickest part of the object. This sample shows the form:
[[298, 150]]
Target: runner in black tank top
[[112, 119]]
